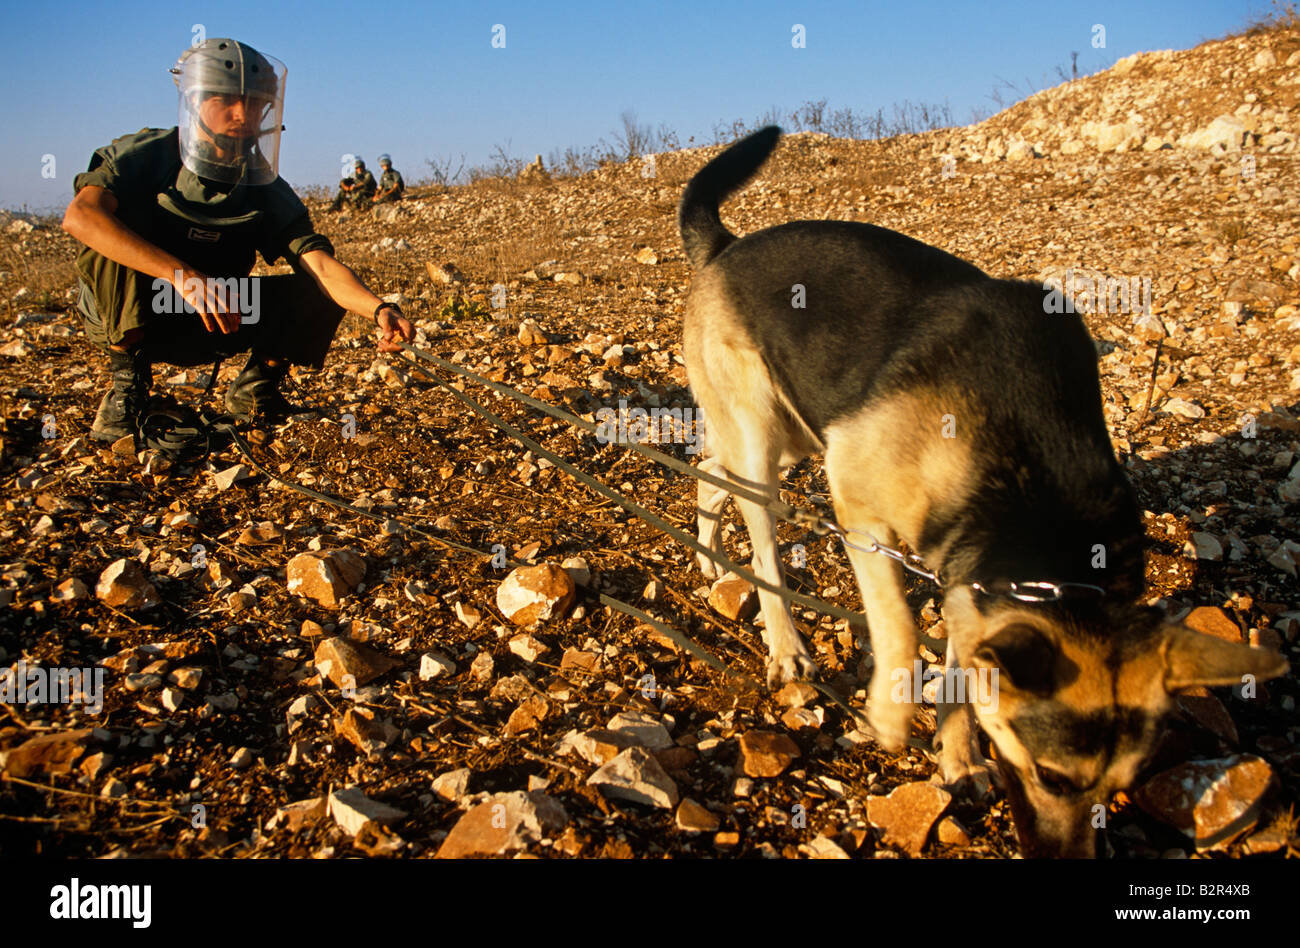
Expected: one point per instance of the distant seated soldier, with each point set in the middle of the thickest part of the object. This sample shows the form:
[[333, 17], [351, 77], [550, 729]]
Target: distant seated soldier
[[391, 185], [357, 190]]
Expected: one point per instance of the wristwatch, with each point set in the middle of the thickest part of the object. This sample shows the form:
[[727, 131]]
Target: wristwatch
[[393, 306]]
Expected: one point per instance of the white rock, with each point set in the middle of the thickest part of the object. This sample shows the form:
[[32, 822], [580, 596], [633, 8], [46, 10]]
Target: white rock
[[123, 584], [637, 776], [1148, 328], [1283, 559], [482, 666], [503, 823], [452, 785], [434, 665], [1226, 130], [352, 810], [578, 569], [1206, 546], [227, 478], [468, 615], [1289, 490], [535, 593], [648, 731], [1115, 137], [527, 647], [530, 334], [1183, 409], [70, 589], [1019, 150], [823, 848]]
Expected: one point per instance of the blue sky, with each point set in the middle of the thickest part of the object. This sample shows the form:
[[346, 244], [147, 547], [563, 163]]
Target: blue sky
[[422, 80]]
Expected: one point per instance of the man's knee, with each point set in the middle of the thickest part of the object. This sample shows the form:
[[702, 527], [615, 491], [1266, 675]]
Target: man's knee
[[302, 320]]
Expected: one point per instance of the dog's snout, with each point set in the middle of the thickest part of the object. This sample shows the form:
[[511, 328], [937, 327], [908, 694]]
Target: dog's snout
[[1050, 826]]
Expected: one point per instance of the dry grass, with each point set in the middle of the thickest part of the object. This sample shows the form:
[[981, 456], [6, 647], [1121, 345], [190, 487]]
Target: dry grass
[[46, 279], [1282, 16], [502, 260], [1233, 230]]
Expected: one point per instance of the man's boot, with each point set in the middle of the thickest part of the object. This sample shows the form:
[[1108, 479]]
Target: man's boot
[[120, 409], [255, 393]]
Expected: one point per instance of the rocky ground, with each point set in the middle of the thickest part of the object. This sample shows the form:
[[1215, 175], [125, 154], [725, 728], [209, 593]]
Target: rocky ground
[[285, 678]]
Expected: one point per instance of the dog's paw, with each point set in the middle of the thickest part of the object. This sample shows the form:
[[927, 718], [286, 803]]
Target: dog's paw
[[891, 723], [710, 569], [889, 719], [794, 666]]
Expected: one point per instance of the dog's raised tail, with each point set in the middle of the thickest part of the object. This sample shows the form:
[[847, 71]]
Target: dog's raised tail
[[703, 233]]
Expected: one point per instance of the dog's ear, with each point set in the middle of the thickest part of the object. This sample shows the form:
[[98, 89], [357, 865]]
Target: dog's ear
[[1026, 658], [1194, 659]]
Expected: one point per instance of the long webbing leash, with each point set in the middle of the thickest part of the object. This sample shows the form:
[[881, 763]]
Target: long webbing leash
[[177, 431], [206, 425]]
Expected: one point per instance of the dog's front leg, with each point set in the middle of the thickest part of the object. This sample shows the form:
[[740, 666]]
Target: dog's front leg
[[893, 641], [961, 763]]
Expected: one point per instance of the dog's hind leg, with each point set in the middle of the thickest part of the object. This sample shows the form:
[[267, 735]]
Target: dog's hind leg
[[788, 659], [709, 516]]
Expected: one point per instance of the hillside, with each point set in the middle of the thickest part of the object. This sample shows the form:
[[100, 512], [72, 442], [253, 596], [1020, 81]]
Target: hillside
[[1177, 171]]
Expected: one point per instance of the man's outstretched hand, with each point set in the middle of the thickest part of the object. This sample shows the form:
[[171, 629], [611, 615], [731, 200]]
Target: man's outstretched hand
[[392, 324]]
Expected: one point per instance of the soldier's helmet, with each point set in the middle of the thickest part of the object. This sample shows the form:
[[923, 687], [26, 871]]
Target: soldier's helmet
[[385, 161], [236, 74], [360, 165]]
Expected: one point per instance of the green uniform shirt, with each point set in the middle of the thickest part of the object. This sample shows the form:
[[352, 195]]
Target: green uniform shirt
[[391, 179], [363, 183], [217, 233]]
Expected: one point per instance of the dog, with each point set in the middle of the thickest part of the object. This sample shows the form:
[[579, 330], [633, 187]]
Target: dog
[[956, 414]]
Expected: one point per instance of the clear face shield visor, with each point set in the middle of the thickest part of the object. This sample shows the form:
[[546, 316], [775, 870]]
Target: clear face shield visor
[[231, 114]]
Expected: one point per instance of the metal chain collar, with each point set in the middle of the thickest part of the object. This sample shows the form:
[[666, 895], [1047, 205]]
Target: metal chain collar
[[1028, 591]]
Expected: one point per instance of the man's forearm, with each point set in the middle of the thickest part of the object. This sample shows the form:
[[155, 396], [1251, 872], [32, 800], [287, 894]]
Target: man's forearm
[[340, 284], [101, 231]]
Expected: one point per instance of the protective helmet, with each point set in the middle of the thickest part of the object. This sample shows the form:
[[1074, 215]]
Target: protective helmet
[[215, 143], [359, 164], [385, 160]]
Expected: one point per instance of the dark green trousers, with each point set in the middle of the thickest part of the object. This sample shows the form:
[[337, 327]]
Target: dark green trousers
[[295, 322]]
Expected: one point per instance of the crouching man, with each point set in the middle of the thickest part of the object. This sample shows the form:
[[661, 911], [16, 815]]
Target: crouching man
[[358, 190], [172, 221], [391, 185]]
